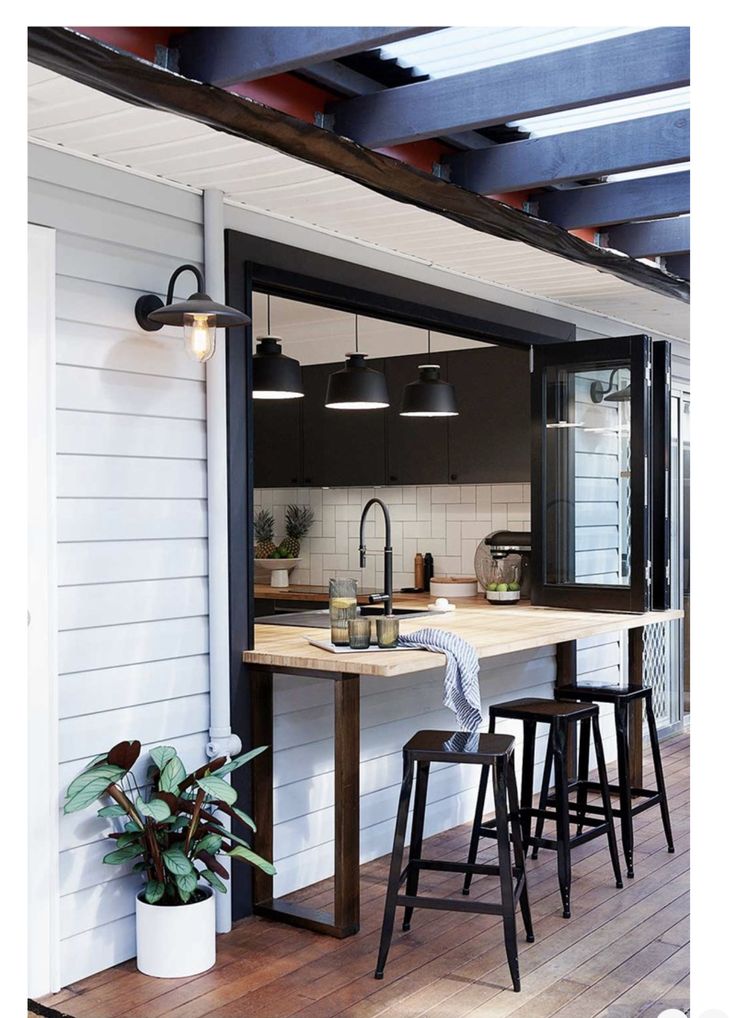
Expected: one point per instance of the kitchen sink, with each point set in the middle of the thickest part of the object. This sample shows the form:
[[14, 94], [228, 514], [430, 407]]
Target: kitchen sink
[[320, 618]]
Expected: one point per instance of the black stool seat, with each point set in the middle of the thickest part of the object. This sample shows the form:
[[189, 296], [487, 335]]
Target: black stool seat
[[537, 709], [602, 694], [459, 747], [622, 697], [495, 754], [559, 715]]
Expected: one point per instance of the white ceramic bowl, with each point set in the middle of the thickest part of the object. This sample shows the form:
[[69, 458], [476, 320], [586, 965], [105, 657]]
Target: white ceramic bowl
[[503, 596], [279, 569]]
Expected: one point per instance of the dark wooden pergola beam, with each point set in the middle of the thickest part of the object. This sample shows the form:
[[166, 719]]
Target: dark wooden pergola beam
[[575, 155], [141, 83], [623, 201], [627, 65], [647, 240], [225, 56]]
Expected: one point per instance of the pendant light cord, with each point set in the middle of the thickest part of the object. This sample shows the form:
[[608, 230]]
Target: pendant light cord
[[429, 344], [356, 334], [268, 313]]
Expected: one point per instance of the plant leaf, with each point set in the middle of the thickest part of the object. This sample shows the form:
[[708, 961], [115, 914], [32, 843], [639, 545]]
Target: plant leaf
[[130, 827], [154, 891], [130, 838], [100, 771], [187, 885], [111, 811], [241, 852], [218, 789], [122, 854], [161, 755], [176, 862], [124, 754], [90, 786], [214, 880], [238, 761], [156, 808], [244, 817], [171, 775], [211, 843]]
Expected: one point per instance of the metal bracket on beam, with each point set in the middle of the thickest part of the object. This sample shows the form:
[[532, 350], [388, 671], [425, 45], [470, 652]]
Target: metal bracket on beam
[[324, 120], [167, 57], [441, 170], [532, 207]]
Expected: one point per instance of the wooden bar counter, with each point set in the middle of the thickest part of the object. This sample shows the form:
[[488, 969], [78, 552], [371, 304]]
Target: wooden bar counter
[[492, 629]]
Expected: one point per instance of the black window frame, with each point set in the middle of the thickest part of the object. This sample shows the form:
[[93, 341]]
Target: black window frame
[[635, 597]]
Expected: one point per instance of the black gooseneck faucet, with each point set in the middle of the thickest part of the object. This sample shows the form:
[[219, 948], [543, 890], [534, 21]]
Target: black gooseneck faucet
[[388, 556]]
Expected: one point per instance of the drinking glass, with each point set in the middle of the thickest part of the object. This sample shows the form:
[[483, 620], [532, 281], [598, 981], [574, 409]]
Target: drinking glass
[[359, 631], [387, 629]]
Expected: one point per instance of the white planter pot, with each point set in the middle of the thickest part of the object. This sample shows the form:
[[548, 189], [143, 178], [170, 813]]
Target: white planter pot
[[175, 940]]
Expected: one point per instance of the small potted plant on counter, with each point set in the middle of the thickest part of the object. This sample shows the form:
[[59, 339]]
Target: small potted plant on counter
[[172, 837]]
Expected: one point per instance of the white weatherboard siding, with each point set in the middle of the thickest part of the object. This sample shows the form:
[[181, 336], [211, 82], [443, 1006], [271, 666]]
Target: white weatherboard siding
[[132, 514]]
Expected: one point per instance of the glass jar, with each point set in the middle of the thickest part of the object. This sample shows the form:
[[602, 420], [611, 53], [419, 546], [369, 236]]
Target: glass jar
[[343, 607]]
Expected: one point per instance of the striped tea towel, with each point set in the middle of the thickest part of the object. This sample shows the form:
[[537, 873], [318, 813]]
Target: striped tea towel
[[462, 692]]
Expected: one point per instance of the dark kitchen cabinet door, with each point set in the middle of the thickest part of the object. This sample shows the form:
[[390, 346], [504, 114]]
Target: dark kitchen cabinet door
[[341, 447], [277, 426], [490, 440], [417, 446]]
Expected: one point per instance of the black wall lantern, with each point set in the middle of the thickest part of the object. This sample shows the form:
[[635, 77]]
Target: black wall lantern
[[356, 386], [600, 392], [200, 316], [429, 396], [275, 376]]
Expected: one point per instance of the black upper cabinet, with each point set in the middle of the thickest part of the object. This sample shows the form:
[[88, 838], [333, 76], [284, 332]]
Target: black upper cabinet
[[277, 447], [341, 447], [490, 440], [417, 446]]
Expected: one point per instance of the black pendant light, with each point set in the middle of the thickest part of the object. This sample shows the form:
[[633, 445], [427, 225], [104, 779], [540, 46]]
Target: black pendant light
[[200, 316], [429, 396], [275, 376], [356, 386]]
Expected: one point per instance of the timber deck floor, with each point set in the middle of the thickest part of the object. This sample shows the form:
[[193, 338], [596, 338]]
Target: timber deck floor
[[624, 953]]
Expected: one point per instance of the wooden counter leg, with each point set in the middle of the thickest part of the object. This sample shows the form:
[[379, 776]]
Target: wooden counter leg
[[346, 919], [567, 675], [636, 717], [347, 804], [262, 779]]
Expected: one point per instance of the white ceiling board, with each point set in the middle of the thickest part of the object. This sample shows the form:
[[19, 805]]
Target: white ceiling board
[[174, 148]]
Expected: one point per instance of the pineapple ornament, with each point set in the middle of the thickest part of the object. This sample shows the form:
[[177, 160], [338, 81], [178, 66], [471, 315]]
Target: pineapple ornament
[[299, 518], [263, 527]]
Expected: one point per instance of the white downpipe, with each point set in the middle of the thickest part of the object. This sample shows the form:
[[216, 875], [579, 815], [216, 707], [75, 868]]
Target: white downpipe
[[222, 740]]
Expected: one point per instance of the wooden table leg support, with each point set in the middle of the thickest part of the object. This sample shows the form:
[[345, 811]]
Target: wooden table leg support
[[636, 716], [346, 919]]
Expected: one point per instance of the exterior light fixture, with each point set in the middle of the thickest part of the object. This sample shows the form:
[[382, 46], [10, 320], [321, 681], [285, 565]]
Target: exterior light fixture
[[600, 392], [356, 386], [275, 376], [200, 316], [429, 396]]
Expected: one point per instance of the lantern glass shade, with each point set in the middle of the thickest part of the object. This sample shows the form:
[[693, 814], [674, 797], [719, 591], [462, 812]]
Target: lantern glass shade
[[200, 333], [429, 396], [356, 386], [275, 376]]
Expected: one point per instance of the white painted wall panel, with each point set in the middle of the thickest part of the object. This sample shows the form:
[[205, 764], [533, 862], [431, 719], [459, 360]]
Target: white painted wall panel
[[115, 561], [130, 519], [132, 552]]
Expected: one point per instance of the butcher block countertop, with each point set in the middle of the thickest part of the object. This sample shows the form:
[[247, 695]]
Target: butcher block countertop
[[314, 592], [492, 629]]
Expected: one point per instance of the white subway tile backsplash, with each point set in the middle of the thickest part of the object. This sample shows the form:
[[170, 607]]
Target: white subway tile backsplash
[[446, 520]]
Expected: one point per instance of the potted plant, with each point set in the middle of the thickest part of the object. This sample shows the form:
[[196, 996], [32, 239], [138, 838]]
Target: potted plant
[[172, 838]]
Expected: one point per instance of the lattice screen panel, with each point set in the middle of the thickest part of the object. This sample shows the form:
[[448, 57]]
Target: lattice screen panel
[[657, 669]]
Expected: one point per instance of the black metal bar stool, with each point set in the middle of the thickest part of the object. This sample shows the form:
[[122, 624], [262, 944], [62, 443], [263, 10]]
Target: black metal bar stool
[[559, 716], [493, 752], [622, 697]]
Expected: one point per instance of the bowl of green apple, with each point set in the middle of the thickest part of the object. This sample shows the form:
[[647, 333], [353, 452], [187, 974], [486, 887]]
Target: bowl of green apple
[[503, 593]]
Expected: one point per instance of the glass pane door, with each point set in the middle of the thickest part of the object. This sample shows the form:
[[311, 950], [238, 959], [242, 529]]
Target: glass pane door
[[591, 404]]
